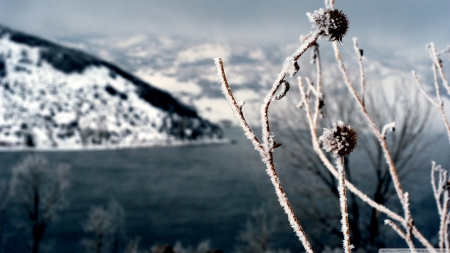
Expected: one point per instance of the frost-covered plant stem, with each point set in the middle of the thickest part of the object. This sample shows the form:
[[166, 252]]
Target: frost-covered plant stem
[[439, 104], [237, 109], [408, 224], [343, 204], [265, 151], [319, 100], [401, 234], [359, 53], [314, 137], [269, 97], [330, 167], [438, 191], [383, 143], [438, 63]]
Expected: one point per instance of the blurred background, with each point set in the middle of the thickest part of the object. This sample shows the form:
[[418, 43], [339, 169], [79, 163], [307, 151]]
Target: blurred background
[[114, 111]]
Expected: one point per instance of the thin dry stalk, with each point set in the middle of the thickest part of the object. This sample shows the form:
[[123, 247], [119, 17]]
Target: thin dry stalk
[[333, 171], [443, 223], [359, 53], [343, 205], [237, 110], [350, 186], [408, 224], [438, 63], [319, 100], [383, 143], [400, 233], [439, 104], [437, 193], [266, 151]]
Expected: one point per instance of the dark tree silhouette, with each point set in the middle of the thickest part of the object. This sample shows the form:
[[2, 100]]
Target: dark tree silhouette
[[39, 188]]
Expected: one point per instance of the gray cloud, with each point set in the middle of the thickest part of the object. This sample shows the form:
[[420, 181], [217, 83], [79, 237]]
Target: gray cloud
[[401, 25]]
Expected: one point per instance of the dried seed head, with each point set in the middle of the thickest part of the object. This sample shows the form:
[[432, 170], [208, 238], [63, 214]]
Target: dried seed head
[[341, 140], [332, 23]]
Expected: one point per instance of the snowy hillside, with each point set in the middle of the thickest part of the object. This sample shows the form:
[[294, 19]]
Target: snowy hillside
[[57, 97]]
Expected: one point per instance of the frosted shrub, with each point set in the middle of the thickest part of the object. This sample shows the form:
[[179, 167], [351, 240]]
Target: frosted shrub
[[340, 139]]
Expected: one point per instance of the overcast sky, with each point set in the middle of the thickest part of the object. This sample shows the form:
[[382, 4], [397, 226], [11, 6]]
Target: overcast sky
[[400, 24]]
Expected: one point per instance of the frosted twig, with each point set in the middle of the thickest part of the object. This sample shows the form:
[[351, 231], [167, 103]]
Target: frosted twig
[[350, 186], [445, 208], [438, 63], [440, 103], [286, 69], [443, 222], [266, 149], [436, 193], [423, 90], [359, 53], [446, 241], [236, 107], [409, 222], [319, 101], [343, 204], [388, 127], [400, 233], [383, 143], [310, 87]]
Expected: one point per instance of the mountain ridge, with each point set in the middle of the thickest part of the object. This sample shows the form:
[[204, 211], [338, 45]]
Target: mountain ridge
[[28, 63]]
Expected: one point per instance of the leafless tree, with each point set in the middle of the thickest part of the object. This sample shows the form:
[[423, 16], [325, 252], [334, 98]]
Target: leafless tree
[[39, 188], [257, 232], [107, 225]]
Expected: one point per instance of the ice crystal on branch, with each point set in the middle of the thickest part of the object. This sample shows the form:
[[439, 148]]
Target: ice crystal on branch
[[341, 140], [332, 23]]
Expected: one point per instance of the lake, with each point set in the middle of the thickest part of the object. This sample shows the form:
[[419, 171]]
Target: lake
[[169, 194]]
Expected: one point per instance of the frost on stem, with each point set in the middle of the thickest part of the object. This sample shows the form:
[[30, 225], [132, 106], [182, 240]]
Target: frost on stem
[[330, 22], [291, 66], [388, 127], [341, 140], [273, 144]]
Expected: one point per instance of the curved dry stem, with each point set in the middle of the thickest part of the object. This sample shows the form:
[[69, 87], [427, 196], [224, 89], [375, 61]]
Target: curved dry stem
[[381, 140], [237, 110], [343, 204], [361, 67], [440, 103], [438, 63], [408, 224], [350, 186], [284, 202], [266, 150], [265, 106], [319, 100], [401, 234]]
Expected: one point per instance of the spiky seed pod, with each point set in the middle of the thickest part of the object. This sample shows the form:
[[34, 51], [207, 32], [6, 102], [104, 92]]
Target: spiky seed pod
[[332, 23], [341, 140]]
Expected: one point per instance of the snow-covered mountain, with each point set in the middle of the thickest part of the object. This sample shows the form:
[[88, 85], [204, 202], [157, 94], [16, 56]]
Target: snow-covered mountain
[[58, 97]]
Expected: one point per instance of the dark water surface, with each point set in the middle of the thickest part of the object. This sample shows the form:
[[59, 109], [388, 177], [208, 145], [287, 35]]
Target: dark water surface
[[185, 193]]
